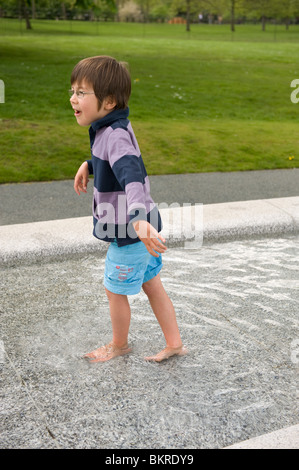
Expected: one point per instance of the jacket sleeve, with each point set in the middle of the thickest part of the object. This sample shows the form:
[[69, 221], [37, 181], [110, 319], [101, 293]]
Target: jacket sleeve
[[129, 171], [90, 167]]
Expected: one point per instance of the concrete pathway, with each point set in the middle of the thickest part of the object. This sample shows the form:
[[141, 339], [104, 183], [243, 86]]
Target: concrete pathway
[[33, 202]]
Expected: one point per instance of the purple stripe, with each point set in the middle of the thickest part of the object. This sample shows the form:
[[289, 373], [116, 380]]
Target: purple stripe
[[99, 148], [115, 206], [135, 195], [133, 138], [120, 144], [113, 144], [112, 206], [138, 195]]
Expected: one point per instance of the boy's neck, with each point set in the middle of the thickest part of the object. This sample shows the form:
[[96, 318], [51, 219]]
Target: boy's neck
[[112, 116]]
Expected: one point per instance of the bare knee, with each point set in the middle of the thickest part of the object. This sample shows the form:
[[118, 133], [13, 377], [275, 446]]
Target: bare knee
[[147, 288], [152, 286], [113, 296]]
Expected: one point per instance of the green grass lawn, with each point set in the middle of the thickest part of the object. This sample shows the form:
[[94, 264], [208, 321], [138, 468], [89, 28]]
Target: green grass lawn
[[207, 100]]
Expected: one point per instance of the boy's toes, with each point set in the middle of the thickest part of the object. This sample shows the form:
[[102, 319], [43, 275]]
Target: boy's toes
[[107, 352], [168, 352]]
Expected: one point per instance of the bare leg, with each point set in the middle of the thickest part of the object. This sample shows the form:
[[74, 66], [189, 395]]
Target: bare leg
[[120, 314], [165, 314]]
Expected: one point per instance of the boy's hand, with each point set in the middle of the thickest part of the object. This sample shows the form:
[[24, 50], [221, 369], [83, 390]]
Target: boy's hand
[[149, 236], [81, 179]]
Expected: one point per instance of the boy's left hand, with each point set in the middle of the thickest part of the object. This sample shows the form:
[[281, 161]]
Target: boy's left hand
[[150, 237]]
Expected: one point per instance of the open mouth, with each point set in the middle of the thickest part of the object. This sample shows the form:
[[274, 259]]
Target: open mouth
[[77, 112]]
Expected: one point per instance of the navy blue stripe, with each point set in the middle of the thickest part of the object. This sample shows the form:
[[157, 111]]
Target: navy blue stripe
[[104, 178], [121, 124], [90, 167], [110, 118], [129, 169]]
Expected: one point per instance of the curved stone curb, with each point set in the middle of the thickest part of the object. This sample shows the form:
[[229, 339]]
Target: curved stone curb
[[192, 225], [286, 438]]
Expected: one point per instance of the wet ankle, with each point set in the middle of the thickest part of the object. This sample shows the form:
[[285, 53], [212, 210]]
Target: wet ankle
[[176, 346], [122, 346]]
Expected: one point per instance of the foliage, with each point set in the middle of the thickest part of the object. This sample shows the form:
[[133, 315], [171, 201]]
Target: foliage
[[155, 10]]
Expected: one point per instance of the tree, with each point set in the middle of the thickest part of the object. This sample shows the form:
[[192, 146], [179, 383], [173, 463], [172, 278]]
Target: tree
[[265, 9], [220, 7], [24, 13]]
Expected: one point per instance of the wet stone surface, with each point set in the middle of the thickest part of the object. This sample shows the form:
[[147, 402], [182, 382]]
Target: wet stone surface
[[237, 306]]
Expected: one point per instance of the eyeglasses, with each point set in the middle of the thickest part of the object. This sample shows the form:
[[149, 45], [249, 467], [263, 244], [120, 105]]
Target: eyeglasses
[[80, 94]]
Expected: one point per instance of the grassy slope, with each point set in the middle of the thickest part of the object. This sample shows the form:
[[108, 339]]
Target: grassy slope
[[200, 101]]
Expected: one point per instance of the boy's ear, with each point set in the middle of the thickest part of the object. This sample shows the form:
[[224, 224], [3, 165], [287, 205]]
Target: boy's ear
[[110, 102]]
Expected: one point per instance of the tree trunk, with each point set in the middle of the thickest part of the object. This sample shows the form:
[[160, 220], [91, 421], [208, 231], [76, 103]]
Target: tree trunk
[[63, 11], [25, 14], [188, 16], [33, 13], [263, 23], [232, 15], [117, 11]]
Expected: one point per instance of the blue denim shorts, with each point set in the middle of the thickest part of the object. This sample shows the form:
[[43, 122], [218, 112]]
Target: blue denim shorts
[[128, 267]]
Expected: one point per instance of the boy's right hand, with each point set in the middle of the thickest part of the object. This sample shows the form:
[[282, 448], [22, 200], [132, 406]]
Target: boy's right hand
[[81, 179]]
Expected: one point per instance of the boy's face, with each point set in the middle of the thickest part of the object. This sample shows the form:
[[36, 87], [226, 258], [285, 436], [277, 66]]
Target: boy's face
[[86, 106]]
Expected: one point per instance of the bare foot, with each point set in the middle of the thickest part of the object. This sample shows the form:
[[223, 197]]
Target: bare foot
[[168, 352], [107, 352]]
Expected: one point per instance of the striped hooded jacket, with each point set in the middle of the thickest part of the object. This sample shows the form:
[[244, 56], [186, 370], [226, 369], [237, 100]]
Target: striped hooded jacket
[[121, 185]]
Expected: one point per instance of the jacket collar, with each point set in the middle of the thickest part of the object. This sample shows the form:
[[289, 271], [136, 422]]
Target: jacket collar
[[110, 119]]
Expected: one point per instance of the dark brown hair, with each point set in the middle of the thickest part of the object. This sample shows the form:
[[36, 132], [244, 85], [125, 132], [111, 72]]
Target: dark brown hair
[[107, 76]]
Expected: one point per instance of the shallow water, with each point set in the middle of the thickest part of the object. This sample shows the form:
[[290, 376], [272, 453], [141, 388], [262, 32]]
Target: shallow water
[[237, 308]]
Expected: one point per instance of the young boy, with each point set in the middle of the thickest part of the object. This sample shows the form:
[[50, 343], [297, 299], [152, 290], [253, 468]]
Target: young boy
[[124, 213]]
